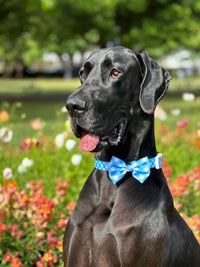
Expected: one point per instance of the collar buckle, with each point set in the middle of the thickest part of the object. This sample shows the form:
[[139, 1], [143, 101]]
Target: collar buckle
[[158, 161]]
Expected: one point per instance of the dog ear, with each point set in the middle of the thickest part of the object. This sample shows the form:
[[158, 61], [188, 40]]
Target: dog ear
[[154, 83]]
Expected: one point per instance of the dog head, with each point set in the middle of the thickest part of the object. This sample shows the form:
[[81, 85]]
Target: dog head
[[116, 84]]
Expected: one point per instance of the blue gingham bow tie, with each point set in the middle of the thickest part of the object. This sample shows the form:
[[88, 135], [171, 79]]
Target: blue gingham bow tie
[[140, 169]]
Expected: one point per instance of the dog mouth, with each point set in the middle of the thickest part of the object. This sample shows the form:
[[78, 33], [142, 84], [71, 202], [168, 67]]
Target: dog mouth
[[92, 142]]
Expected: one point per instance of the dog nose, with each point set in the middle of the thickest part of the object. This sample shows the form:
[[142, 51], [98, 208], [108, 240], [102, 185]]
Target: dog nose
[[75, 106]]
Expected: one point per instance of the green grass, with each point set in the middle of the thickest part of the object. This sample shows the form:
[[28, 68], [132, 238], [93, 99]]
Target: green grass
[[48, 112], [186, 84], [30, 86], [189, 110]]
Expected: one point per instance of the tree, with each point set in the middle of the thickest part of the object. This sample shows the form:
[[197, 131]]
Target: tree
[[20, 22], [159, 26], [30, 28]]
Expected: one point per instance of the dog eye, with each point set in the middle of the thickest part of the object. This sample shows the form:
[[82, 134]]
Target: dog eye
[[114, 73], [82, 74]]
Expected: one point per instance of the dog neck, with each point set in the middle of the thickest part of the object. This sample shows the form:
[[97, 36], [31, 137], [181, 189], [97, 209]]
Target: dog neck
[[137, 142]]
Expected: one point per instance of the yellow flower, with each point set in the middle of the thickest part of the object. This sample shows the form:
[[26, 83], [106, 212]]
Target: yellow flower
[[40, 234], [23, 116], [60, 245], [48, 256], [67, 125]]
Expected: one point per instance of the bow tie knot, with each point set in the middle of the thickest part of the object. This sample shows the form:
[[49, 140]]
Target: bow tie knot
[[140, 169]]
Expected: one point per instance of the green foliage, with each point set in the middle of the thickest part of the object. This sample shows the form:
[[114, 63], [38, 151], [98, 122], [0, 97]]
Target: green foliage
[[29, 28]]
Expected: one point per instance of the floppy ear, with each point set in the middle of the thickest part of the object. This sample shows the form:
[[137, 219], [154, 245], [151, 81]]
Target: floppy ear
[[154, 83]]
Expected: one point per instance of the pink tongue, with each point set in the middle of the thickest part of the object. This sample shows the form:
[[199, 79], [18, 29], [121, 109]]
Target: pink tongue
[[88, 142]]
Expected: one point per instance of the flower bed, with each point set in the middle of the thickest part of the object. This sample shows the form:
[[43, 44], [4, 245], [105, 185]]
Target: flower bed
[[35, 202], [32, 224]]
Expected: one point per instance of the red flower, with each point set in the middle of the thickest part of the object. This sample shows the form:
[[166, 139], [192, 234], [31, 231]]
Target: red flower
[[7, 257], [3, 227], [28, 143]]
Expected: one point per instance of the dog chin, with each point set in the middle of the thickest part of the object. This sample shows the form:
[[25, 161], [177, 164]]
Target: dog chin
[[101, 145]]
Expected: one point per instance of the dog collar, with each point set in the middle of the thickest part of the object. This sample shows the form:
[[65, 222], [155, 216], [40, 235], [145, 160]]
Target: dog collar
[[140, 169]]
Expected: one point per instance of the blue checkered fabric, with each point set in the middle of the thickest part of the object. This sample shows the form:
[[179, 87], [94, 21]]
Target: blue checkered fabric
[[140, 169]]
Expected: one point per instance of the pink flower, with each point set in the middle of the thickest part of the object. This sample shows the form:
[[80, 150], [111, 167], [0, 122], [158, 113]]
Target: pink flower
[[25, 224], [19, 234], [14, 227], [49, 235], [182, 124], [36, 124]]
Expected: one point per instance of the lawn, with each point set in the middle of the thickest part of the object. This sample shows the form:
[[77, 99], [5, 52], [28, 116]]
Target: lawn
[[35, 191], [33, 86], [52, 85]]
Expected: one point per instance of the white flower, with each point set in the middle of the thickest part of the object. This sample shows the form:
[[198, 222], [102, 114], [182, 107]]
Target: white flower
[[188, 97], [70, 144], [6, 134], [59, 140], [160, 114], [26, 162], [176, 111], [28, 185], [63, 109], [76, 159], [7, 173], [21, 169]]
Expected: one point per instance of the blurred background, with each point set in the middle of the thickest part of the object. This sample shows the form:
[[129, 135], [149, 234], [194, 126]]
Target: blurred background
[[50, 39]]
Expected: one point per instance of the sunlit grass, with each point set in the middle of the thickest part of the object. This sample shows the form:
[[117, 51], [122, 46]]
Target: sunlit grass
[[30, 86], [49, 85]]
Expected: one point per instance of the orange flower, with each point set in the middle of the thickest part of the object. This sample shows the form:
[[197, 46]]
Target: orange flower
[[60, 245], [4, 116], [71, 205], [197, 143], [7, 257], [48, 256], [15, 262], [61, 223]]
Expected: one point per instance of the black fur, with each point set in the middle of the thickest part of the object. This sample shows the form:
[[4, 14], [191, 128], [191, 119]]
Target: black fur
[[127, 224]]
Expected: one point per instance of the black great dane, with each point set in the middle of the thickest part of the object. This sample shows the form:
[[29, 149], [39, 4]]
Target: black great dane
[[125, 214]]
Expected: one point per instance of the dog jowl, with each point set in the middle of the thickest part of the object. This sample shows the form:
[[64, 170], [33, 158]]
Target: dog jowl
[[125, 214]]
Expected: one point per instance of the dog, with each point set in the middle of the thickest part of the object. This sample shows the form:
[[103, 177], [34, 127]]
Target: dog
[[125, 214]]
